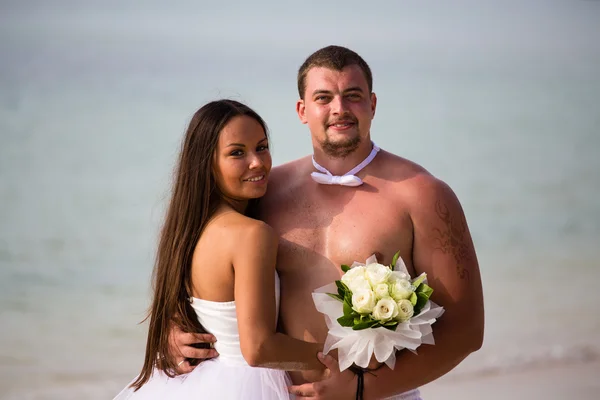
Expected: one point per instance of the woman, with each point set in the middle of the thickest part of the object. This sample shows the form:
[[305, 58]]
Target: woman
[[215, 269]]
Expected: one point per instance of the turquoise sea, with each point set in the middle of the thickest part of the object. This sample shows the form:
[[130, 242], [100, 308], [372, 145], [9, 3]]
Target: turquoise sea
[[498, 99]]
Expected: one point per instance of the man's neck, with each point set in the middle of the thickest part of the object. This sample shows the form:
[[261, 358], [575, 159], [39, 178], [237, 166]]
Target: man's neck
[[342, 165]]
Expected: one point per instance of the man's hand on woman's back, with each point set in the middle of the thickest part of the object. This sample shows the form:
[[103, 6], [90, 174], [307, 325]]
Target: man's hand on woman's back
[[190, 348]]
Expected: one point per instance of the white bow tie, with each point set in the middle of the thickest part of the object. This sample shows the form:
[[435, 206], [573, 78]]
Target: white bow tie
[[348, 179]]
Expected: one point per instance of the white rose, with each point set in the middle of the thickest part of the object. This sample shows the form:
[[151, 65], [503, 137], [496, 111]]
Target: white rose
[[363, 301], [359, 283], [405, 310], [354, 274], [382, 290], [402, 289], [385, 310], [377, 273], [398, 275]]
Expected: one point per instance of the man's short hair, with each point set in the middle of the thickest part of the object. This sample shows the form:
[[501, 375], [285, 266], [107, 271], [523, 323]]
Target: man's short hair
[[335, 58]]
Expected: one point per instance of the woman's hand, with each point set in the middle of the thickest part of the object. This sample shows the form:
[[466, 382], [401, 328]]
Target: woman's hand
[[335, 385]]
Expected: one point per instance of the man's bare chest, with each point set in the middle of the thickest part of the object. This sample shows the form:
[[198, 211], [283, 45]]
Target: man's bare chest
[[325, 237]]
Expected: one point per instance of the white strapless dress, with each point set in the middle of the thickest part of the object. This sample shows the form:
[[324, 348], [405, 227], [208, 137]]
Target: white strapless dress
[[227, 377]]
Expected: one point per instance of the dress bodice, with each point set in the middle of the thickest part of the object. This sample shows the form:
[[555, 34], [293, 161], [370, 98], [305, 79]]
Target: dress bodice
[[220, 319]]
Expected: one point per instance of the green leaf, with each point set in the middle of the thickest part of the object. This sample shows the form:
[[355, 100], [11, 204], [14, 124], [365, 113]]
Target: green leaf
[[343, 290], [413, 299], [390, 327], [348, 308], [425, 289], [345, 268], [423, 292], [346, 321], [336, 296], [364, 325], [395, 259], [348, 297], [421, 301], [362, 318], [419, 280]]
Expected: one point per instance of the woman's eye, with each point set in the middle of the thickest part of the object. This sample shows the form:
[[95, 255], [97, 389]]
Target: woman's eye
[[262, 148], [236, 153]]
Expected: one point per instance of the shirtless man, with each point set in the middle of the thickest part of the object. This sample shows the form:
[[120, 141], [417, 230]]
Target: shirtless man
[[398, 206]]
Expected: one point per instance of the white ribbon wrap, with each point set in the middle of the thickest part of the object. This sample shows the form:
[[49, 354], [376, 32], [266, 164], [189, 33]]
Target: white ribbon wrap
[[359, 346]]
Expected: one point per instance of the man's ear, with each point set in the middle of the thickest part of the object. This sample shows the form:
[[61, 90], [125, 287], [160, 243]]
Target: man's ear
[[301, 110], [373, 104]]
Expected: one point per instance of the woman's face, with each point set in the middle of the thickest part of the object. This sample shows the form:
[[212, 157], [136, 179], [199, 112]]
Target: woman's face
[[242, 160]]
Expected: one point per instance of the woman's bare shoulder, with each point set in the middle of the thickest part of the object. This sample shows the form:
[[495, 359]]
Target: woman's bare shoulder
[[242, 229]]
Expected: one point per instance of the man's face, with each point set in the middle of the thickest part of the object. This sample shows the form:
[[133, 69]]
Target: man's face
[[338, 109]]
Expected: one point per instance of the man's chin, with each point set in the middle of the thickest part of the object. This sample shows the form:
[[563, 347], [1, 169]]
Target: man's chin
[[341, 147]]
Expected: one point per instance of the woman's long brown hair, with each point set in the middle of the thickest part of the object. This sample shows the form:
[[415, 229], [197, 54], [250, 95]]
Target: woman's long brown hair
[[195, 197]]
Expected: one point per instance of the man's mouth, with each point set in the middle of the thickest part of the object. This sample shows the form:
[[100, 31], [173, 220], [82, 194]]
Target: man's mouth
[[342, 124]]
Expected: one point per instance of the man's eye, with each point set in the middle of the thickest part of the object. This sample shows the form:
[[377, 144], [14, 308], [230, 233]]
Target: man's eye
[[321, 98], [354, 96]]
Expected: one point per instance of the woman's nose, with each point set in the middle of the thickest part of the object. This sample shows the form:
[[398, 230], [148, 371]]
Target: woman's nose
[[255, 161]]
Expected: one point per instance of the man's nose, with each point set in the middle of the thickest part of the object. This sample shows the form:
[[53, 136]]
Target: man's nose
[[338, 105]]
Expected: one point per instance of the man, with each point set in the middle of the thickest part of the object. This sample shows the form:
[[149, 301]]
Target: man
[[325, 219]]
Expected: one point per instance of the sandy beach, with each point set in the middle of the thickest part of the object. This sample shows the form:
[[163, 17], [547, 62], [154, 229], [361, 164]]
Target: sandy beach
[[557, 382]]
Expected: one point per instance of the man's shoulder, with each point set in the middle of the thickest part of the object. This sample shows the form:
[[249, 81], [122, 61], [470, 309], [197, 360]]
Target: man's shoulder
[[287, 177], [403, 171], [289, 170], [400, 164], [416, 182]]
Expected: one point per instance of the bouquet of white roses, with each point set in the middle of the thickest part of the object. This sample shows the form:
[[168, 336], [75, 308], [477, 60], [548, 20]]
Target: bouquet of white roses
[[377, 310]]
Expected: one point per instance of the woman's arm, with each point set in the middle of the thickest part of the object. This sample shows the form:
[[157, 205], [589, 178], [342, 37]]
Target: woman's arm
[[254, 268]]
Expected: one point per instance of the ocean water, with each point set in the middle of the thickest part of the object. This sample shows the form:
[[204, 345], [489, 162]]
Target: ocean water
[[500, 101]]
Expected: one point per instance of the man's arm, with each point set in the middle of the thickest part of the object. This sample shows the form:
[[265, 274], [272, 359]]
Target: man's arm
[[442, 248], [185, 348]]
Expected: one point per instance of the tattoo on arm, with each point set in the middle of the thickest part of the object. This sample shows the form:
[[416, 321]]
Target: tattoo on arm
[[451, 239]]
